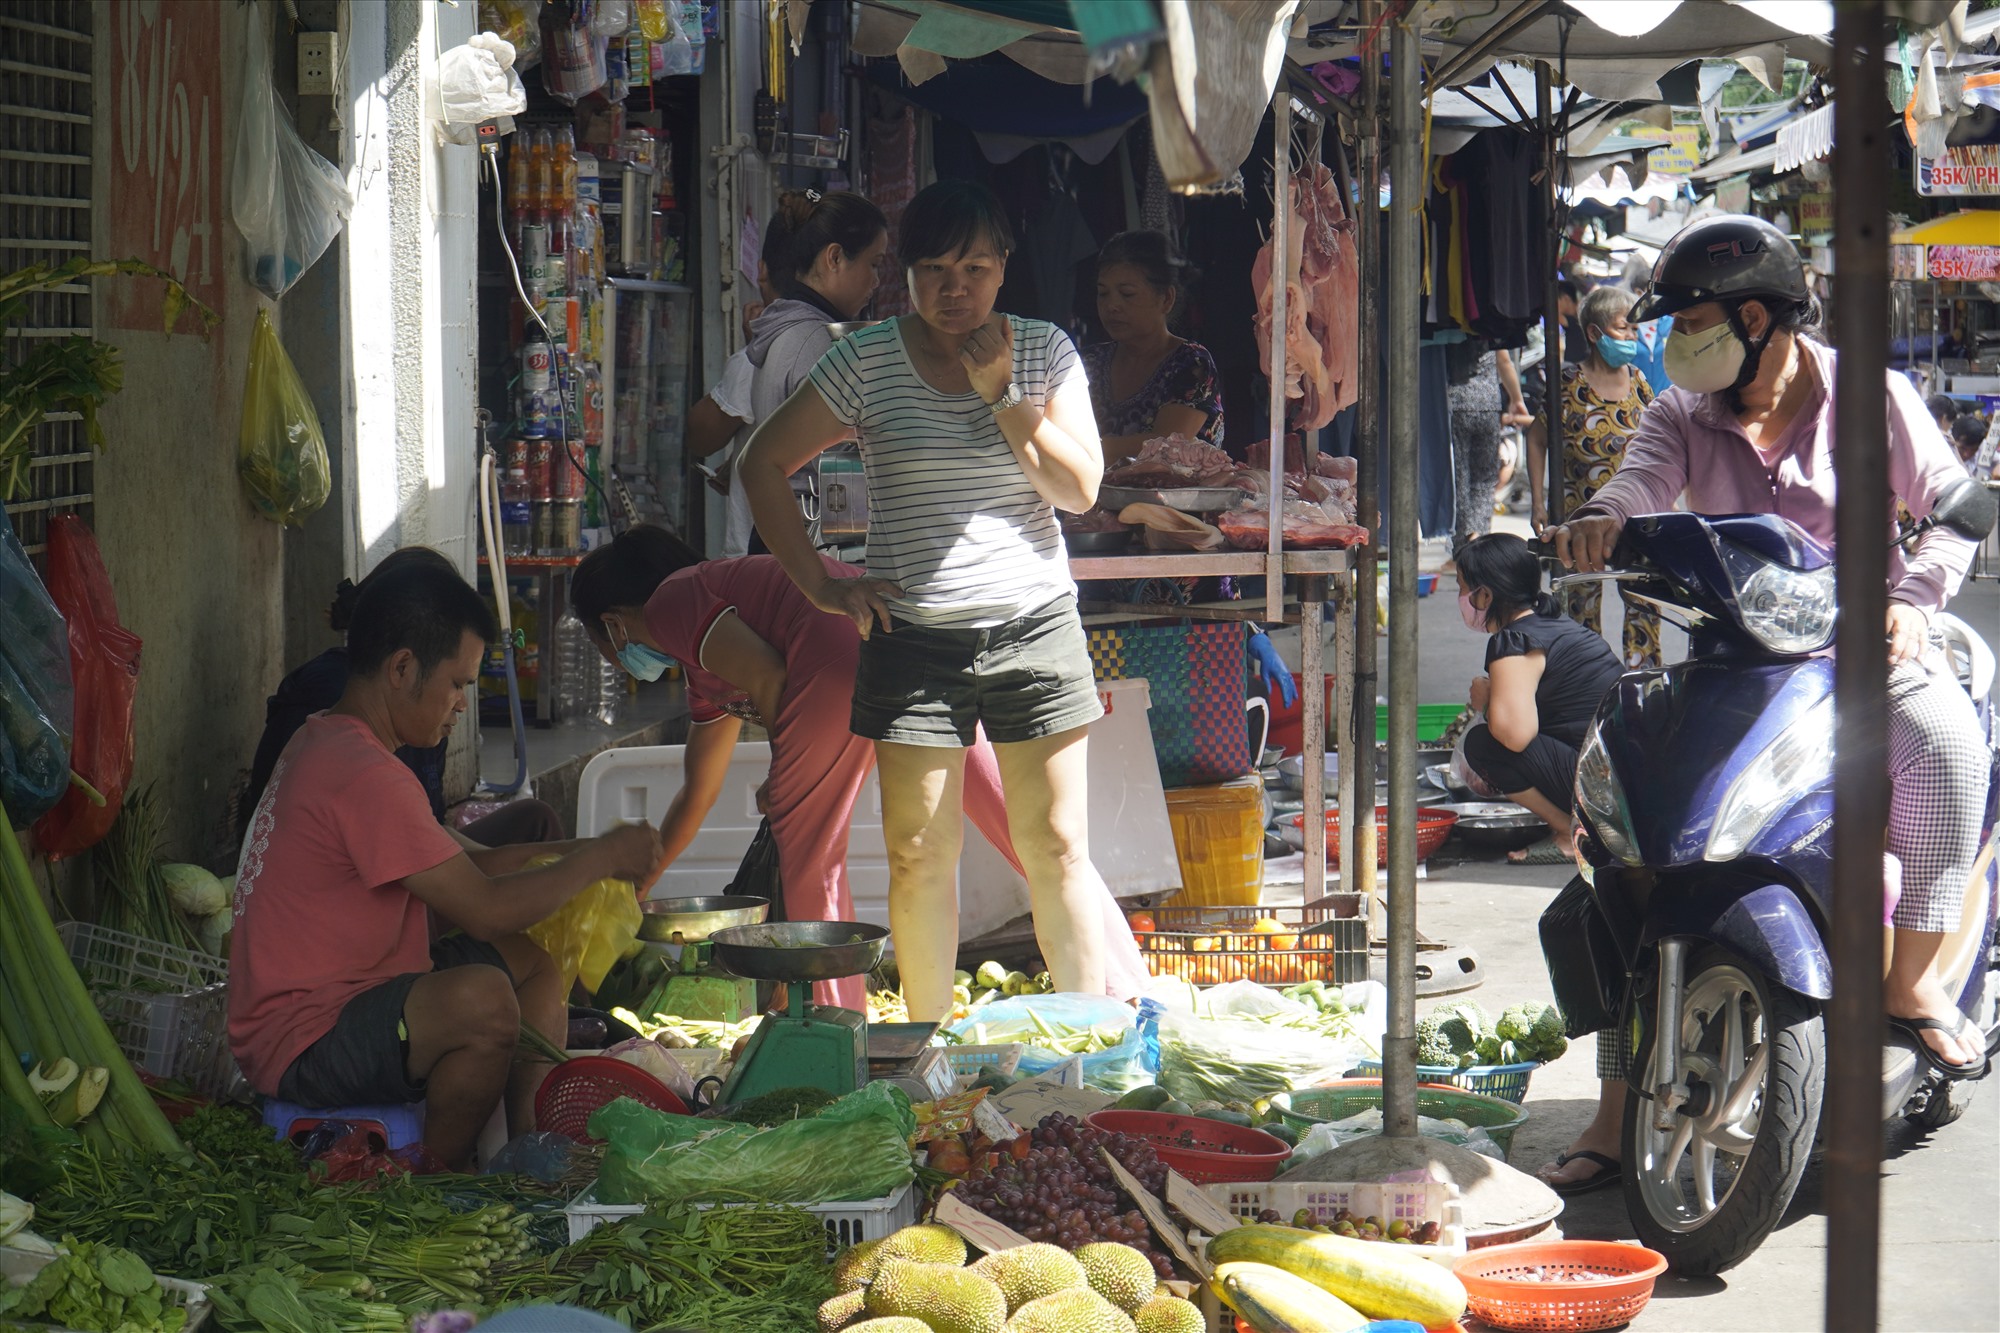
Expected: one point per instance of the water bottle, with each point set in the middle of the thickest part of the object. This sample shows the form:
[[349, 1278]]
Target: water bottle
[[610, 692], [576, 675]]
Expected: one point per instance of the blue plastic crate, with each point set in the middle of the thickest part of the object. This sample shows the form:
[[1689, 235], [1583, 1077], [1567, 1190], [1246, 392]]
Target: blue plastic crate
[[1507, 1082]]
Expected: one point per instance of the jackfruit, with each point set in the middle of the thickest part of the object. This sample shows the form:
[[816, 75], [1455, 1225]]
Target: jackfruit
[[837, 1312], [890, 1324], [949, 1299], [856, 1265], [1028, 1272], [1118, 1273], [926, 1243], [1070, 1312], [1170, 1314]]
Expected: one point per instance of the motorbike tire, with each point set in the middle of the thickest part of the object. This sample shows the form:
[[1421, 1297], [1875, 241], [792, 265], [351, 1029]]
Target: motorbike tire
[[1786, 1116]]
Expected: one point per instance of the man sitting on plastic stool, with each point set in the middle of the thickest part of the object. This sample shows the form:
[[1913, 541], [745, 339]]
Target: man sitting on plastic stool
[[337, 995]]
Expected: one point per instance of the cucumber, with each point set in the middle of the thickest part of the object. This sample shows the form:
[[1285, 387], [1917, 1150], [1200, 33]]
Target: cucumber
[[1226, 1116], [1382, 1281], [1149, 1098]]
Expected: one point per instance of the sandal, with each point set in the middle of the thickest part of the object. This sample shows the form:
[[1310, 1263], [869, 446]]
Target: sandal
[[1543, 853], [1610, 1174], [1914, 1029]]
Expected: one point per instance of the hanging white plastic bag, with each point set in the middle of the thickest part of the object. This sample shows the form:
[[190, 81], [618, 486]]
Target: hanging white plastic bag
[[477, 82], [287, 200]]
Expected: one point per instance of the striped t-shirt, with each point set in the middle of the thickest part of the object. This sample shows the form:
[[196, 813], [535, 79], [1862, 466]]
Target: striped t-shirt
[[952, 518]]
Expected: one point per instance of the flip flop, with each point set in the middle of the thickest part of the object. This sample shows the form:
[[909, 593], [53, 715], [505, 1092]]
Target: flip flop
[[1543, 853], [1610, 1174], [1914, 1028]]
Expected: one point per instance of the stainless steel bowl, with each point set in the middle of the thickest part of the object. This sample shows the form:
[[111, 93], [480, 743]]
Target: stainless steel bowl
[[800, 950], [695, 919]]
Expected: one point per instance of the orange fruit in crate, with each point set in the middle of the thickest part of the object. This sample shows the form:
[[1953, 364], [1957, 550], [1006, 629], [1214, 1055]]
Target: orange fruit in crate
[[1265, 925], [1204, 944], [1286, 942], [1141, 921]]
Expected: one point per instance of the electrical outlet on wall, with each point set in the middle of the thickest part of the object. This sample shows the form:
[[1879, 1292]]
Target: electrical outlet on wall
[[319, 57]]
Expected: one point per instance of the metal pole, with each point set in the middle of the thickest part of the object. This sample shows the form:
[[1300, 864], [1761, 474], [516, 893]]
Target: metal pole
[[1861, 672], [1343, 719], [1281, 211], [1406, 164], [1551, 318], [1358, 872], [1312, 722]]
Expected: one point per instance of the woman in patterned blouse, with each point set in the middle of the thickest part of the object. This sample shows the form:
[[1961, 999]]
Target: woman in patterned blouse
[[1146, 382], [1602, 399]]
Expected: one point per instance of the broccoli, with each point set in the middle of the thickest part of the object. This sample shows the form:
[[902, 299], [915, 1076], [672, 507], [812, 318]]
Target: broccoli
[[1433, 1047], [1547, 1039], [1488, 1050], [1515, 1024], [1477, 1021], [1459, 1033]]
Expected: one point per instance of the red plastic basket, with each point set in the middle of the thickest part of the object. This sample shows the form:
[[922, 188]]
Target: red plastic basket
[[1205, 1151], [1501, 1285], [1433, 827], [575, 1089]]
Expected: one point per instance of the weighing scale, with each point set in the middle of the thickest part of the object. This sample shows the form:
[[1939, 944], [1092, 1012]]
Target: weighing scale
[[809, 1045], [698, 989]]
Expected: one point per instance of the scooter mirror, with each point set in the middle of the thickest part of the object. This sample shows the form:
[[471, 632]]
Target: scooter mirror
[[1968, 507]]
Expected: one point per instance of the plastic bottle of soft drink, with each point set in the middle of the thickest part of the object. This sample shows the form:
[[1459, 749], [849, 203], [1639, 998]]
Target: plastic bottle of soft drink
[[520, 202], [577, 687], [541, 171], [562, 172]]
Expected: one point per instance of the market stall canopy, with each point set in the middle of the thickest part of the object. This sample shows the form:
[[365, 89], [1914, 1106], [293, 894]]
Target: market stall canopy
[[1210, 64], [1619, 50], [1974, 226], [1616, 189]]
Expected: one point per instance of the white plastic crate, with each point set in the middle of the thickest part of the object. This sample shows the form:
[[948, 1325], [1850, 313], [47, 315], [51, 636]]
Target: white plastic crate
[[1413, 1201], [167, 1007], [847, 1223]]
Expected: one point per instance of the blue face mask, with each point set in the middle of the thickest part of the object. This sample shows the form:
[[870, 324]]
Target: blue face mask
[[643, 662], [1617, 352]]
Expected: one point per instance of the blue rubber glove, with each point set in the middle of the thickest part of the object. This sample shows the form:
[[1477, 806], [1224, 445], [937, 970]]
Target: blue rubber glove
[[1269, 666]]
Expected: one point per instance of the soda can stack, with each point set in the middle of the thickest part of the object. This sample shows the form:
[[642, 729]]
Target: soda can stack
[[541, 497]]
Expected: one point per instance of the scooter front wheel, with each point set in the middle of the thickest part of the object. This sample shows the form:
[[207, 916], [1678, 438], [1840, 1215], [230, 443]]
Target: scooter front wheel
[[1708, 1189]]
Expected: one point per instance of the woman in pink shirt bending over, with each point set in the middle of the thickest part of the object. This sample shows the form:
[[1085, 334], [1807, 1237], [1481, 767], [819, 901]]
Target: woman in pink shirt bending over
[[755, 649], [1748, 428]]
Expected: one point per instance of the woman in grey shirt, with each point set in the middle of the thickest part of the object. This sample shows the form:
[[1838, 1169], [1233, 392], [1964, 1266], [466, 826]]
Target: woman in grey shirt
[[975, 427]]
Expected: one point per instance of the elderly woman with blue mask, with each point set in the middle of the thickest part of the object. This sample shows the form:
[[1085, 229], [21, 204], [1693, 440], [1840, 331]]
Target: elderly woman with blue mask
[[1602, 398]]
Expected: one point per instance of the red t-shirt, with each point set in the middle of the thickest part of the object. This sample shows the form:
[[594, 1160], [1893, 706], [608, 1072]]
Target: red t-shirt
[[321, 911], [684, 608]]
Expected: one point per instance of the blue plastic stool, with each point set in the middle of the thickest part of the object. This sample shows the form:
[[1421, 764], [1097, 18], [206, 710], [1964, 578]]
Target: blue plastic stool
[[397, 1125]]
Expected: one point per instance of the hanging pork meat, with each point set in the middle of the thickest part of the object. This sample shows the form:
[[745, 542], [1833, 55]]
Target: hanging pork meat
[[1322, 299]]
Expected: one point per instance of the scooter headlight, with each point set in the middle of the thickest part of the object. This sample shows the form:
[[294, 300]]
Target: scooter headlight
[[1787, 610], [1600, 795], [1800, 760]]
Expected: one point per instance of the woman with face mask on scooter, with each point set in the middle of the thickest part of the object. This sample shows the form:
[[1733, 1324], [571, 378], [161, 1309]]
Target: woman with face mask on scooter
[[1748, 428]]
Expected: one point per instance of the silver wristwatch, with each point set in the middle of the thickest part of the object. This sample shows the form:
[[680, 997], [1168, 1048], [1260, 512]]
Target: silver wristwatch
[[1011, 398]]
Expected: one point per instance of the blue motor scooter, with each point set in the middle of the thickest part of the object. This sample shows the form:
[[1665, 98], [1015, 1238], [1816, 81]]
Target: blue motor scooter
[[1698, 929]]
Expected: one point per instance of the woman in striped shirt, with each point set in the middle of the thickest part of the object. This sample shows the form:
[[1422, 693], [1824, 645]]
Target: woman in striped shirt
[[975, 427]]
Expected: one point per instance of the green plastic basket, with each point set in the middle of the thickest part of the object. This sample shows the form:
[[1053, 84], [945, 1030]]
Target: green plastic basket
[[1507, 1082], [1433, 721], [1336, 1101]]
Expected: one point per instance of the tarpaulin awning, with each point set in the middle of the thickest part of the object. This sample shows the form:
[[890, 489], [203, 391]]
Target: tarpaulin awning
[[1806, 139], [1739, 160], [1974, 226], [1620, 49]]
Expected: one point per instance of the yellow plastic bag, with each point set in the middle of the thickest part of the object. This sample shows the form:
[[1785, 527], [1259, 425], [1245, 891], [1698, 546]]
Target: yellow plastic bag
[[591, 931], [280, 452]]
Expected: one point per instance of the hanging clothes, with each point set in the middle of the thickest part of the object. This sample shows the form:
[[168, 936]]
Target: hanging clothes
[[1490, 248]]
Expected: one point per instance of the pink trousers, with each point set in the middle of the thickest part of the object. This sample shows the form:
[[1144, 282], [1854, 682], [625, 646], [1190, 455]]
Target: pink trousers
[[818, 768]]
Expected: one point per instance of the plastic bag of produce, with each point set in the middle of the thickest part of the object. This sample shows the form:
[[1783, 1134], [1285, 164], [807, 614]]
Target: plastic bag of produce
[[1242, 1059], [857, 1148], [1052, 1028], [104, 665], [36, 697], [1331, 1134], [591, 931], [280, 450]]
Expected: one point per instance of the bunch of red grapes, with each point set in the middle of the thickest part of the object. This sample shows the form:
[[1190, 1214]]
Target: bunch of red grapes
[[1051, 1185]]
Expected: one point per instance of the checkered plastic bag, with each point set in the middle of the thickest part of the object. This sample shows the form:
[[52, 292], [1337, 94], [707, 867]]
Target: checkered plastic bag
[[1198, 674]]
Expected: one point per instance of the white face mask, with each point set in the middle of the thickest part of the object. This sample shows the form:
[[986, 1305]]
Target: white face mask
[[1705, 362]]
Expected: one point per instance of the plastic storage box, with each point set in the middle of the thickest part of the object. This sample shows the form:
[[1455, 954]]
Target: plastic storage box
[[1219, 838], [847, 1223], [1414, 1201], [167, 1007], [1208, 946]]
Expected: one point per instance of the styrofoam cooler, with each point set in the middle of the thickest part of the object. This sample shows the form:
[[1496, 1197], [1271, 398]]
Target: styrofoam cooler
[[1130, 838]]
